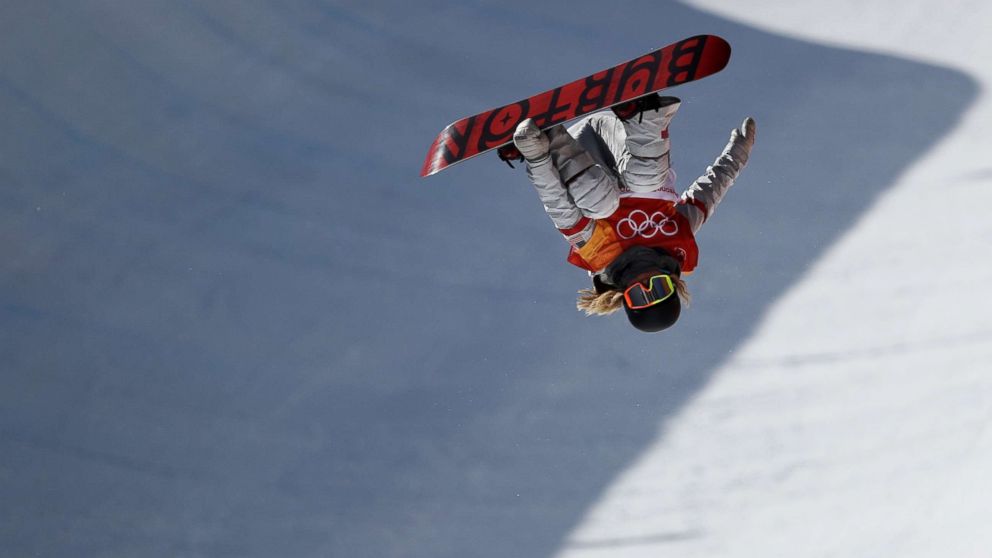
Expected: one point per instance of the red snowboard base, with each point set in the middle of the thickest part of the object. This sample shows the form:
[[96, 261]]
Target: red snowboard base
[[687, 60]]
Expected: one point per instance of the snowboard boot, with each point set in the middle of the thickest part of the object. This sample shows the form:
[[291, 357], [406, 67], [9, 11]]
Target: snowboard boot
[[646, 121]]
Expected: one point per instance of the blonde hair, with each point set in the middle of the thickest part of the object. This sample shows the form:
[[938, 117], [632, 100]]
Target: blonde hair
[[608, 302], [599, 304]]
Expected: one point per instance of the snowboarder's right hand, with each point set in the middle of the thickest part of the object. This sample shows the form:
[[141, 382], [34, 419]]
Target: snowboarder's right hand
[[741, 142], [532, 143]]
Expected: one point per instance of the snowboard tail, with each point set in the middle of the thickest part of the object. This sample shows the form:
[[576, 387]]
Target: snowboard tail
[[687, 60]]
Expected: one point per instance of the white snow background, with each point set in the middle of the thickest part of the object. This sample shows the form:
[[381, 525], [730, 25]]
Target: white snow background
[[235, 322]]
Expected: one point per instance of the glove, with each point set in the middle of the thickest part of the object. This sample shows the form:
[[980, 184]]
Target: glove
[[532, 143], [741, 142]]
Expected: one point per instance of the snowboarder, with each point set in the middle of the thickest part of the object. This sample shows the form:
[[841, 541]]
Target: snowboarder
[[608, 186]]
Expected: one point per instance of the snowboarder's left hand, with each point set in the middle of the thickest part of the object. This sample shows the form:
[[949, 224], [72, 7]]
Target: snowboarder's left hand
[[532, 143]]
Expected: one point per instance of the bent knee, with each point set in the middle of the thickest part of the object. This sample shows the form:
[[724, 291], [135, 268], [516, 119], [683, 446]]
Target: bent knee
[[597, 196]]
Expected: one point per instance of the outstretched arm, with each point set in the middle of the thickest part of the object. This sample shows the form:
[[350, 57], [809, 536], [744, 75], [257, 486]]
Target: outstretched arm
[[704, 194]]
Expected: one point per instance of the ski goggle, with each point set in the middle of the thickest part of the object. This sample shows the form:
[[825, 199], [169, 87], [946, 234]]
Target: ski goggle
[[660, 288]]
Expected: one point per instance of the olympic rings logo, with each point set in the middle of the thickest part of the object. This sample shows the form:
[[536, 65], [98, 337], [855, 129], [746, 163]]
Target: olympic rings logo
[[639, 223]]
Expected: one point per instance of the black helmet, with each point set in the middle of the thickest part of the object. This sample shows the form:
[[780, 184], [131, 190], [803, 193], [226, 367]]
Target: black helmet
[[655, 318], [639, 261]]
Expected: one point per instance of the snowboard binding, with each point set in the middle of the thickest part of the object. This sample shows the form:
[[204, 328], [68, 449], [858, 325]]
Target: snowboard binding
[[508, 153], [638, 106]]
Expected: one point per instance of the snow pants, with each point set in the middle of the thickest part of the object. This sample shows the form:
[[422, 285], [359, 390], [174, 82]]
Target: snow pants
[[601, 158]]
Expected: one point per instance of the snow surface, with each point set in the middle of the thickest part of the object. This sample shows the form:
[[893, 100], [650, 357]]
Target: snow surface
[[856, 419], [235, 322]]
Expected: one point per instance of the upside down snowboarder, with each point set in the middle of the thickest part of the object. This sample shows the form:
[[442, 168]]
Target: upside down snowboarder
[[608, 186]]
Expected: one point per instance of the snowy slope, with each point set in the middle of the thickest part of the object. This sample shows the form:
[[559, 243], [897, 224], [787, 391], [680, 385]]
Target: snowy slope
[[857, 419], [234, 322]]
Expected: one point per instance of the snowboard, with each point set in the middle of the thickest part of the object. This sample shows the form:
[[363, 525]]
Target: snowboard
[[681, 62]]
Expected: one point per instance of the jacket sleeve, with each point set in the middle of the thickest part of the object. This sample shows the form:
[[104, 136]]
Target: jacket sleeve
[[700, 199]]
